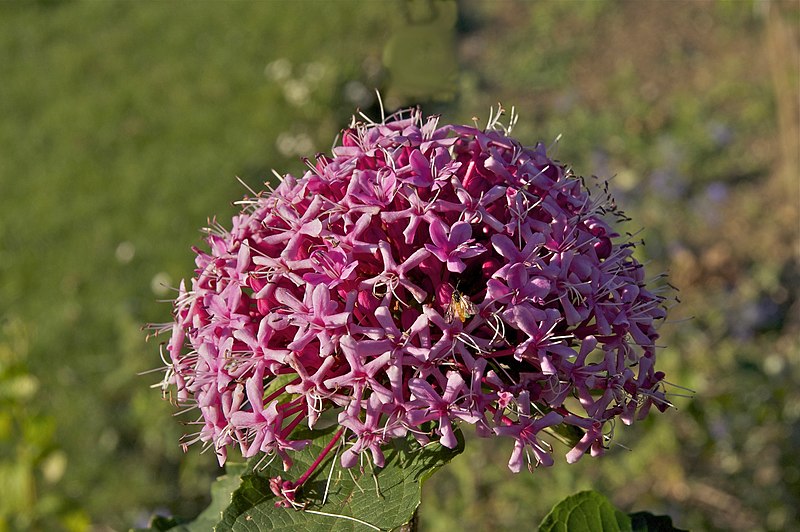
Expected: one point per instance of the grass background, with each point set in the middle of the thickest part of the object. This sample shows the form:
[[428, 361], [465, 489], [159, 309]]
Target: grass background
[[123, 128]]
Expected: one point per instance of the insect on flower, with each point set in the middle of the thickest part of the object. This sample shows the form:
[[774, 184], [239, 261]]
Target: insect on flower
[[460, 306]]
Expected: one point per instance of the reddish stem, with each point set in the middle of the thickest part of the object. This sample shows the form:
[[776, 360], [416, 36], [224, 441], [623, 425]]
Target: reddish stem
[[287, 430], [290, 409], [507, 421], [498, 354], [320, 458], [280, 391]]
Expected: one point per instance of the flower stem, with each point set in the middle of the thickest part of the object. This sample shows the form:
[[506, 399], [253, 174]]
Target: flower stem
[[320, 458], [280, 391]]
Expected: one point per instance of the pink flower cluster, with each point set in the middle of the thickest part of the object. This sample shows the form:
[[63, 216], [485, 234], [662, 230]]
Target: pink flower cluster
[[419, 277]]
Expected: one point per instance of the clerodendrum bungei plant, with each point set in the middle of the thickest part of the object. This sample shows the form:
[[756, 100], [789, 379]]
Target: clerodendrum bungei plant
[[421, 277]]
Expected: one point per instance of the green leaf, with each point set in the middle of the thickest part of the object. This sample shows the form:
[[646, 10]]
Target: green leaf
[[162, 523], [647, 522], [587, 511], [569, 435], [221, 494], [357, 499], [280, 382]]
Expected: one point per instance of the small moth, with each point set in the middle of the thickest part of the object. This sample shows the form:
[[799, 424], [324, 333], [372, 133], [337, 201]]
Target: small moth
[[460, 306]]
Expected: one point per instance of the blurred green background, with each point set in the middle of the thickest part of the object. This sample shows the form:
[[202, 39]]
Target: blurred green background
[[123, 126]]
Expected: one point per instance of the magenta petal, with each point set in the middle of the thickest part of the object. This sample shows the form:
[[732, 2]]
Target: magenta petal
[[504, 246], [411, 231], [473, 251], [421, 167], [497, 290], [517, 276], [349, 458], [515, 462], [456, 265], [437, 252], [312, 228], [460, 232], [448, 438], [377, 456], [320, 297], [438, 234]]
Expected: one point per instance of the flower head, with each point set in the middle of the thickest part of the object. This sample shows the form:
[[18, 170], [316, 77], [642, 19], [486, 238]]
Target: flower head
[[333, 291]]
